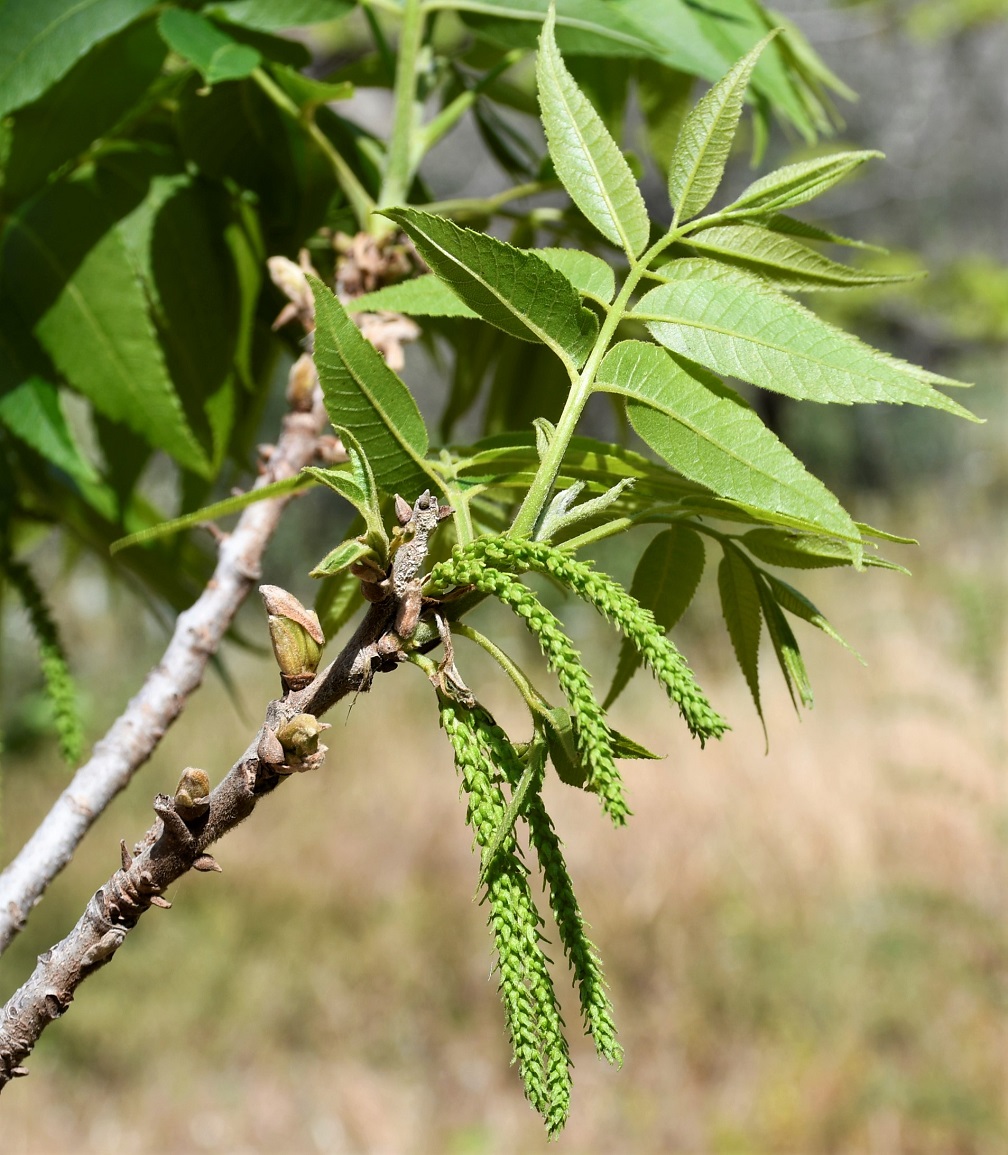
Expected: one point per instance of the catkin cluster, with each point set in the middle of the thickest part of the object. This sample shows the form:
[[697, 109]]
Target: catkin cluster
[[530, 1004], [594, 740], [616, 605]]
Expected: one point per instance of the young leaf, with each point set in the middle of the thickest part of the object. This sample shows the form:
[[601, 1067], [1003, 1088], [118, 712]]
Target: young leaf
[[740, 605], [805, 550], [209, 512], [356, 485], [341, 558], [794, 184], [786, 648], [363, 395], [586, 158], [706, 138], [42, 40], [664, 582], [512, 289], [710, 435], [216, 55], [785, 262], [798, 604], [735, 323]]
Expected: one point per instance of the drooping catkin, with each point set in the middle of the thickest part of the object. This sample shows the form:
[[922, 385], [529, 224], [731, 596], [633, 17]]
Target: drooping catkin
[[594, 740], [585, 964], [59, 683], [617, 606], [530, 1004]]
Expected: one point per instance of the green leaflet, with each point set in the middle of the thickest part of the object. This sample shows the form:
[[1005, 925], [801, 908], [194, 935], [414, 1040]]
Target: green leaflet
[[32, 412], [428, 296], [664, 582], [42, 40], [425, 296], [710, 435], [798, 604], [356, 484], [515, 290], [210, 512], [706, 138], [81, 106], [784, 261], [341, 558], [586, 158], [216, 55], [590, 275], [805, 550], [275, 15], [740, 605], [307, 92], [67, 271], [794, 184], [735, 323], [362, 394], [786, 648]]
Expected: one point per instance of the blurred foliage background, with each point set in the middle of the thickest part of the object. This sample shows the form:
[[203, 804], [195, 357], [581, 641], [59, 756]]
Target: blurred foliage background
[[807, 950]]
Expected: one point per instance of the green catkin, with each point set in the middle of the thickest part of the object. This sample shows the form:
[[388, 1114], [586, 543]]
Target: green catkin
[[56, 675], [530, 1004], [593, 737], [585, 964], [617, 606]]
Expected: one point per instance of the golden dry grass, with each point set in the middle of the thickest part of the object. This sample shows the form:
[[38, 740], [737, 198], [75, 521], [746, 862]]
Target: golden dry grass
[[807, 950]]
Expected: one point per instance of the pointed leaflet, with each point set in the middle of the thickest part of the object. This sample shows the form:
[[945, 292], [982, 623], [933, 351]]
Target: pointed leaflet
[[786, 648], [586, 158], [706, 139], [784, 261], [805, 551], [740, 605], [32, 412], [216, 55], [41, 41], [356, 484], [364, 395], [710, 435], [665, 580], [512, 289], [341, 558], [795, 602], [794, 184], [736, 324]]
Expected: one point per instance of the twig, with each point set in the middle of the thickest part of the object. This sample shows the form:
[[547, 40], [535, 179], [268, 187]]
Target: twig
[[178, 841], [134, 735]]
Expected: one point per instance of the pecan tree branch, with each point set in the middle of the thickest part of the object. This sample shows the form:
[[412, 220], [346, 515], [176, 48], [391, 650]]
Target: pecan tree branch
[[179, 840], [134, 735]]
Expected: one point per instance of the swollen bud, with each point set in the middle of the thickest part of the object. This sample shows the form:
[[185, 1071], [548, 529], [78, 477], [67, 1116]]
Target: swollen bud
[[192, 795], [296, 635]]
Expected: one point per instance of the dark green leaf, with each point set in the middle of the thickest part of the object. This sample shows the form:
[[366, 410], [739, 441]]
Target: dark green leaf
[[67, 270], [708, 433], [740, 605], [86, 102], [665, 580], [512, 289], [586, 158], [32, 412], [735, 323], [216, 55], [41, 40], [362, 394], [272, 15]]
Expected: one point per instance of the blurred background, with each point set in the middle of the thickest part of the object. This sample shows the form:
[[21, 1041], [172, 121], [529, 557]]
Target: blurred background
[[807, 949]]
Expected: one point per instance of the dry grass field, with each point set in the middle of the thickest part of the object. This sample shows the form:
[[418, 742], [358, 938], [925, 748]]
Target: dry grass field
[[808, 949]]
